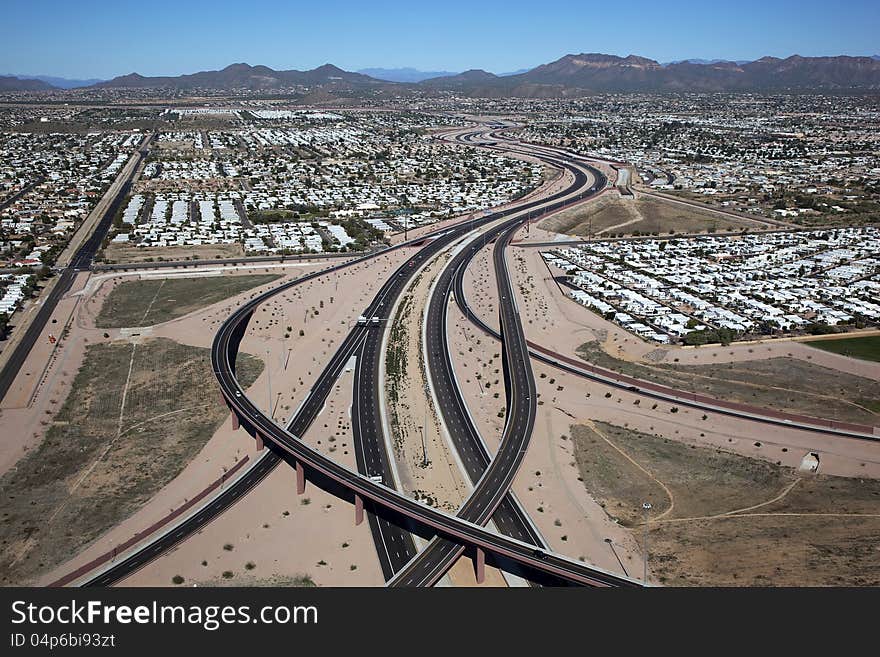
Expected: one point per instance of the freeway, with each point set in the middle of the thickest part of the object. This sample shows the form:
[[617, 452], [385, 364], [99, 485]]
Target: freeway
[[492, 477], [492, 482], [471, 448], [256, 422], [386, 534], [396, 550], [394, 545], [665, 393], [81, 261], [362, 487], [509, 516], [571, 571]]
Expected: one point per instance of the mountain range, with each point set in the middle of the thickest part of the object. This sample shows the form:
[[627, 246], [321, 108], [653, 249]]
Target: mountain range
[[13, 83], [571, 75], [58, 83], [244, 76], [593, 72], [405, 74]]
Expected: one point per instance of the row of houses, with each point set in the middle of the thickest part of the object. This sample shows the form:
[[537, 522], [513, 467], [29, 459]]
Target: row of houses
[[755, 283]]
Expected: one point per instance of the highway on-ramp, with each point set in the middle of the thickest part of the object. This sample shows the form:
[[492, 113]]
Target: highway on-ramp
[[385, 500], [463, 532]]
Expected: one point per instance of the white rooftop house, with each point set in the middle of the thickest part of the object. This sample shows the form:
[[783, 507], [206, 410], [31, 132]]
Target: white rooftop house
[[133, 209]]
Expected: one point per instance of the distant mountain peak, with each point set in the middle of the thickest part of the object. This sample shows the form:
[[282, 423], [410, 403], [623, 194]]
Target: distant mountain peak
[[242, 75], [585, 73], [14, 83], [572, 74], [404, 74], [477, 73]]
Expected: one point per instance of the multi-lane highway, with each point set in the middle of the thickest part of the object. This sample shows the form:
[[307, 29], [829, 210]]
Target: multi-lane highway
[[463, 532], [508, 516], [81, 261], [392, 539], [396, 544], [672, 395], [491, 481]]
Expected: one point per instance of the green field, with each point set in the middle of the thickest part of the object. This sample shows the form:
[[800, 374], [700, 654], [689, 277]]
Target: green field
[[867, 348], [136, 416], [153, 301]]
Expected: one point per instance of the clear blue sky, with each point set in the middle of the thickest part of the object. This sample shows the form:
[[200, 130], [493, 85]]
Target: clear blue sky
[[89, 38]]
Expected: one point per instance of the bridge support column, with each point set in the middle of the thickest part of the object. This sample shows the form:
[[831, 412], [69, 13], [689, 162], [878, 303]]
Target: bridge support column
[[235, 422], [358, 509], [300, 479], [480, 565], [259, 440]]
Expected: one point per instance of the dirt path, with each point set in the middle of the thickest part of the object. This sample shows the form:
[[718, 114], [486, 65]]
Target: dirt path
[[759, 386], [631, 210], [724, 516], [735, 513], [153, 300], [638, 465], [785, 491]]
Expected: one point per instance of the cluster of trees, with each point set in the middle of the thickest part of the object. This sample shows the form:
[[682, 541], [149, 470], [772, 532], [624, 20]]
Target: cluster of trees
[[292, 212], [363, 233], [723, 335]]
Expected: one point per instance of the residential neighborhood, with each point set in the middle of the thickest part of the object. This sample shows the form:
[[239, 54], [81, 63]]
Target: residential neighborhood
[[688, 289]]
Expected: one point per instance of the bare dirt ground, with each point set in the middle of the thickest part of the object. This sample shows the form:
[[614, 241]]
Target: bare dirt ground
[[128, 253], [281, 535], [611, 214], [226, 446], [410, 407], [724, 519], [124, 432]]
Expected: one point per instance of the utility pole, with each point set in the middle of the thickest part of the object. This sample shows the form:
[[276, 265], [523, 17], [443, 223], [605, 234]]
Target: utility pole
[[424, 449], [269, 409], [647, 507], [424, 446]]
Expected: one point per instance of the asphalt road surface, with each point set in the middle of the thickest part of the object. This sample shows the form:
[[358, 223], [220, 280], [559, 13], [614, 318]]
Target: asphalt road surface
[[81, 261], [286, 443]]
